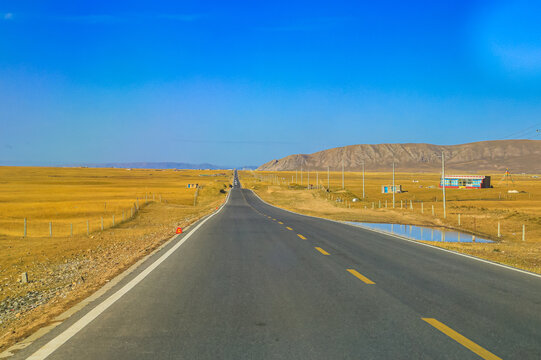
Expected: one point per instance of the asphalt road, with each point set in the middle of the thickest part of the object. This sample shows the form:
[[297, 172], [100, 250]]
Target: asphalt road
[[257, 282]]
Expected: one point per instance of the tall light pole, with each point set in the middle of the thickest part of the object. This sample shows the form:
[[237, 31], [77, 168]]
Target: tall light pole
[[443, 182], [363, 179], [394, 189], [343, 174], [328, 179]]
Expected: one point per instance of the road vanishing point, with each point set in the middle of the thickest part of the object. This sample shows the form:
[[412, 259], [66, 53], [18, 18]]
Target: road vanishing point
[[252, 281]]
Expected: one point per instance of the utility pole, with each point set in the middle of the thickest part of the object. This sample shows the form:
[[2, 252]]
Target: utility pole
[[443, 182], [328, 179], [363, 179], [317, 179], [394, 189], [343, 174]]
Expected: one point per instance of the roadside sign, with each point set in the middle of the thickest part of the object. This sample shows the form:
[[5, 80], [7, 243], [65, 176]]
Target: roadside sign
[[179, 230]]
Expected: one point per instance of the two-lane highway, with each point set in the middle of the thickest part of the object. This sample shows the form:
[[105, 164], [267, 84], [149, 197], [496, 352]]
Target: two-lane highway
[[257, 282]]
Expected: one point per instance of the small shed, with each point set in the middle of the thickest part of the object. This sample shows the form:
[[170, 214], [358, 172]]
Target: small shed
[[389, 189]]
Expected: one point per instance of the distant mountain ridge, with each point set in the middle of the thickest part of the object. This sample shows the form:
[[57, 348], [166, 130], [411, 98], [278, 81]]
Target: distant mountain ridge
[[484, 156], [130, 165], [163, 165]]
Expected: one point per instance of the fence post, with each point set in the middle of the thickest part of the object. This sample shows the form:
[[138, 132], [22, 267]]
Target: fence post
[[432, 210], [422, 207], [411, 204], [499, 233], [379, 204], [50, 229], [386, 204], [24, 228], [137, 203], [459, 223], [372, 204], [523, 232]]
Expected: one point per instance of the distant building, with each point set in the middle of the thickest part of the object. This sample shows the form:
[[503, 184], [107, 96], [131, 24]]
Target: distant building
[[388, 189], [466, 181]]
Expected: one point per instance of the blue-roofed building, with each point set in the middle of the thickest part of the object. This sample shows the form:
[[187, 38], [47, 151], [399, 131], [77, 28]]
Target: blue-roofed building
[[467, 181]]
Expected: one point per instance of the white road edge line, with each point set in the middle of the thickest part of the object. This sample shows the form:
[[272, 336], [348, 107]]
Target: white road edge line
[[55, 343], [406, 239]]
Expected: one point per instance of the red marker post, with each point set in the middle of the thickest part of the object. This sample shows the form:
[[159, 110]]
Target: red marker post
[[179, 230]]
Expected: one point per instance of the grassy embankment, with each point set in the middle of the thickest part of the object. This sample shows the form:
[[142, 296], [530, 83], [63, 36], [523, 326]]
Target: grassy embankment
[[63, 269], [480, 210]]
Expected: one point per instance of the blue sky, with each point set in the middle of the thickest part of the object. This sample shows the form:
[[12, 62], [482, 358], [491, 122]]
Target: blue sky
[[240, 83]]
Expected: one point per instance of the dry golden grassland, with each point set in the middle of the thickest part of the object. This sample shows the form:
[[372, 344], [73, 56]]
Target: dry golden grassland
[[480, 209], [65, 196], [62, 269]]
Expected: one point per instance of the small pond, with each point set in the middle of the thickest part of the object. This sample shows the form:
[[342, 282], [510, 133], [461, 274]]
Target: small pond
[[423, 233]]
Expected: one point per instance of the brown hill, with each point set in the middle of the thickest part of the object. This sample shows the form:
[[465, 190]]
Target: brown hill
[[485, 156]]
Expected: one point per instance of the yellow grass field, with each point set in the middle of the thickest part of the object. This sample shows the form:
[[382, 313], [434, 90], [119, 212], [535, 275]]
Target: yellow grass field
[[480, 209], [64, 268], [75, 196]]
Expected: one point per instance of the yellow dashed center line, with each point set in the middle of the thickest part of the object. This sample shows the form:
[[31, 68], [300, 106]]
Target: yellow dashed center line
[[287, 227], [281, 223], [322, 251], [485, 354], [302, 237], [360, 276]]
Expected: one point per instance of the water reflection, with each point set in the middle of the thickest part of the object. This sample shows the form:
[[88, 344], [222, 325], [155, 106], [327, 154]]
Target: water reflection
[[423, 233]]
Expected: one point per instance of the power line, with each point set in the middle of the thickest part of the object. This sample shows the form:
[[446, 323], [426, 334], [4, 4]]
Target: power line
[[521, 132]]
